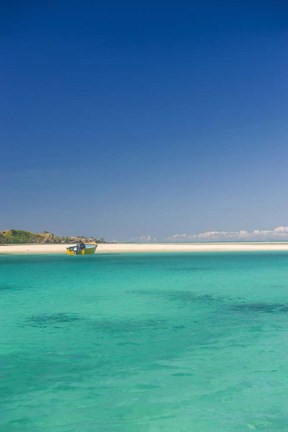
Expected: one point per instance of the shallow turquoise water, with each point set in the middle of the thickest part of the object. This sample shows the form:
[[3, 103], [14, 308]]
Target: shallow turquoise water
[[132, 343]]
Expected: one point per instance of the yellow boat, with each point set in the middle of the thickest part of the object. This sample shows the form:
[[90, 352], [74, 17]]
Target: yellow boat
[[88, 250]]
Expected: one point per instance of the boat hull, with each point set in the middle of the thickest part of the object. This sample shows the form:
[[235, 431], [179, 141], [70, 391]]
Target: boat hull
[[89, 250]]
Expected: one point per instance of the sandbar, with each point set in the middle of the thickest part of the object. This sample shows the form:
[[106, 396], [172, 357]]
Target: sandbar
[[113, 248]]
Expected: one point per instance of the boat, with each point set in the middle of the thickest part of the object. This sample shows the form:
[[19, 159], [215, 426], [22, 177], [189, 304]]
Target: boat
[[88, 250]]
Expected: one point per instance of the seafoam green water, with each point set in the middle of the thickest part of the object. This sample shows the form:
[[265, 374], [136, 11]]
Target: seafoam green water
[[132, 343]]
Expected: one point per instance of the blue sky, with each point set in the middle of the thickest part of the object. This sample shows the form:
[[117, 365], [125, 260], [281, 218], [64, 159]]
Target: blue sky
[[130, 119]]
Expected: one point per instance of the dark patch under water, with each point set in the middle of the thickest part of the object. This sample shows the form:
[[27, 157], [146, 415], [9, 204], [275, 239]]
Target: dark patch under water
[[182, 296], [7, 287], [107, 326], [46, 320], [260, 307], [186, 297], [128, 326]]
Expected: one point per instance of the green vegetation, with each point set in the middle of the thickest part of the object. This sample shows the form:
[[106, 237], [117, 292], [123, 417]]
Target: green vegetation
[[19, 236], [13, 236]]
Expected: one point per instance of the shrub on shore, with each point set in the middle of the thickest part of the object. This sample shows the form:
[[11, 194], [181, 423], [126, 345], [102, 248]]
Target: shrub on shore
[[13, 236]]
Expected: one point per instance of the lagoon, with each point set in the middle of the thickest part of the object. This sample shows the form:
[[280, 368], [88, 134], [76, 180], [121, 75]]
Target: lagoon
[[144, 342]]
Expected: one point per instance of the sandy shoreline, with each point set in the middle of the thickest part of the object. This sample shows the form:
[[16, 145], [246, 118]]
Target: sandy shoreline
[[140, 247]]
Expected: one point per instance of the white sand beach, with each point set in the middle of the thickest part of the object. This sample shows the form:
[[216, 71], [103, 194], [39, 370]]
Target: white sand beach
[[112, 248]]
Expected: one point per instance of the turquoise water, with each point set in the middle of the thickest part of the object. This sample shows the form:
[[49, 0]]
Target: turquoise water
[[132, 343]]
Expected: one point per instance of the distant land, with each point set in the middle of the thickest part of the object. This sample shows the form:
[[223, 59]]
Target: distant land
[[13, 236]]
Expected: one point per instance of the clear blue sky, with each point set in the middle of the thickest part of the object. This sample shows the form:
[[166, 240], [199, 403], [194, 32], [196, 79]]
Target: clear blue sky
[[122, 119]]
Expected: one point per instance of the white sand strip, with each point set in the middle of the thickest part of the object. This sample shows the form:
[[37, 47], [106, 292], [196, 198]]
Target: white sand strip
[[139, 247]]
